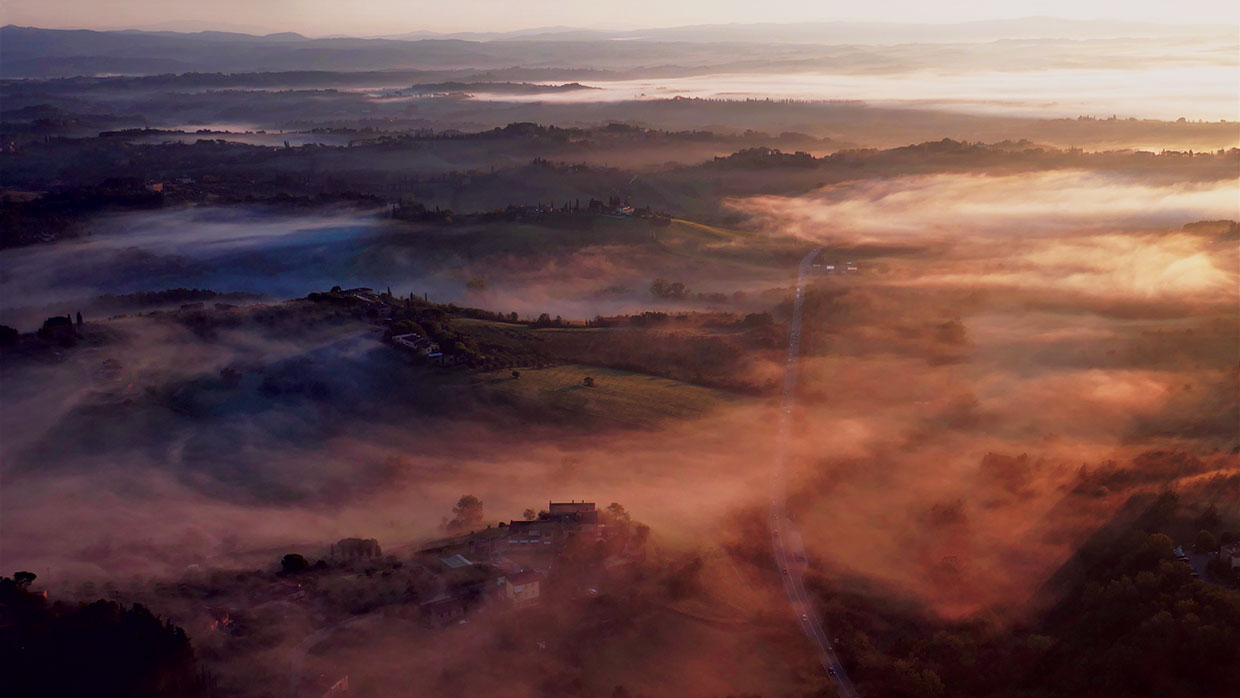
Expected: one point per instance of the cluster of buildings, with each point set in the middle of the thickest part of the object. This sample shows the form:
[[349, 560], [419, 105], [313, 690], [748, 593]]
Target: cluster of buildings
[[506, 565], [469, 586], [555, 527], [425, 348], [550, 531], [418, 344]]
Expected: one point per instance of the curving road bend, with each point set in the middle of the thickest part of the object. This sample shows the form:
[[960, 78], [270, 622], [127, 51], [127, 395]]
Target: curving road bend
[[785, 540]]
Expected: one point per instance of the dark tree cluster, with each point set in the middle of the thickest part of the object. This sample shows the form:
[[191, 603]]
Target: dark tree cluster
[[466, 515], [1130, 620], [109, 302], [545, 320], [763, 157], [569, 213], [102, 649], [665, 290], [53, 214], [59, 329]]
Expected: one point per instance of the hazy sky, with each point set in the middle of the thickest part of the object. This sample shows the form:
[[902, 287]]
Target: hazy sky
[[378, 17]]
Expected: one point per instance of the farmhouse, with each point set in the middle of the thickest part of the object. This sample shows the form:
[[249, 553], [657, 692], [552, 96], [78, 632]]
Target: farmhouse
[[416, 343], [523, 589]]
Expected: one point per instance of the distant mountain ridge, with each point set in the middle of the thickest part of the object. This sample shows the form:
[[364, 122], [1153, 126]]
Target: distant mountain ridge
[[845, 32], [30, 52], [808, 32]]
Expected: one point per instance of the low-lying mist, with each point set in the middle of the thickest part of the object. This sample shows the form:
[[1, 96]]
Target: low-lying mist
[[281, 255], [1200, 92], [956, 397], [1009, 318], [1015, 357]]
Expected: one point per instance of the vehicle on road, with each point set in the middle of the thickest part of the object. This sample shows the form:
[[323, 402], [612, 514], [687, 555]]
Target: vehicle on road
[[805, 617]]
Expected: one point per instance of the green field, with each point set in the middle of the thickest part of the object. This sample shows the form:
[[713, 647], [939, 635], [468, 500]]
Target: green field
[[622, 396]]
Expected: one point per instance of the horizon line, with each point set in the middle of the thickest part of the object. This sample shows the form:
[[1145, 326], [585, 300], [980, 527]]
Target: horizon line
[[563, 29]]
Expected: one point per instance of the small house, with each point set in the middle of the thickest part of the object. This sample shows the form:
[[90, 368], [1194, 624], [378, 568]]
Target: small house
[[523, 589], [416, 343]]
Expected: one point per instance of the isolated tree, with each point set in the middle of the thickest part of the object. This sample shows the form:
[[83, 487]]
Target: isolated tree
[[79, 318], [23, 579], [588, 381], [516, 374], [671, 290], [293, 563], [466, 514], [617, 512], [529, 515]]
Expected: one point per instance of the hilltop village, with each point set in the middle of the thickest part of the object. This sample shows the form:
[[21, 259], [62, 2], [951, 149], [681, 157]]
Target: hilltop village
[[565, 558], [564, 549]]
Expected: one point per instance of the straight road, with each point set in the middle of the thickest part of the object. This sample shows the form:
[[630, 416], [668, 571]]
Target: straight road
[[783, 535]]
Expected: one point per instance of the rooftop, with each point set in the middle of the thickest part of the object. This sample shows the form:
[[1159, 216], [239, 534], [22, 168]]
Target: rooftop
[[573, 507], [456, 561]]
